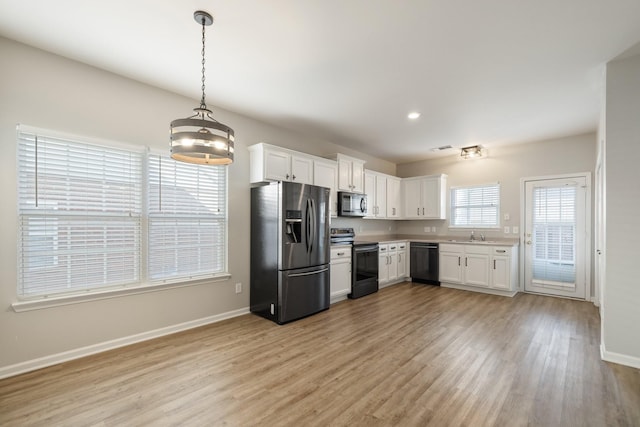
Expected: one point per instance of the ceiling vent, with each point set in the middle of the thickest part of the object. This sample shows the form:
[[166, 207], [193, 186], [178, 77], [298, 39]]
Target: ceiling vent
[[442, 148]]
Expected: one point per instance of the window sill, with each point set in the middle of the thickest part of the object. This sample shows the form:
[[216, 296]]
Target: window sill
[[475, 227], [57, 301]]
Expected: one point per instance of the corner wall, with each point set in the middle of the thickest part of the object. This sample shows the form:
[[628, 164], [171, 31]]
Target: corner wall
[[47, 91], [621, 288]]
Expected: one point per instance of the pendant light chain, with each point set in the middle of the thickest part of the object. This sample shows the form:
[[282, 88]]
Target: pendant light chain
[[203, 104]]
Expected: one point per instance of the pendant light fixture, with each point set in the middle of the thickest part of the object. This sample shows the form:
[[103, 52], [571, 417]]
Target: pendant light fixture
[[200, 138]]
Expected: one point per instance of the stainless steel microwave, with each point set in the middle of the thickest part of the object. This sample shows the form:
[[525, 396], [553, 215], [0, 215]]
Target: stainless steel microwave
[[352, 204]]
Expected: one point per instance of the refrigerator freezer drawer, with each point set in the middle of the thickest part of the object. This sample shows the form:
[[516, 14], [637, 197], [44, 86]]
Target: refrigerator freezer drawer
[[302, 292]]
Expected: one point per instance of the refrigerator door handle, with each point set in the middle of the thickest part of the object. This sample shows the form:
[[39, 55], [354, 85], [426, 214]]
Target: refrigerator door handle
[[314, 224], [309, 273]]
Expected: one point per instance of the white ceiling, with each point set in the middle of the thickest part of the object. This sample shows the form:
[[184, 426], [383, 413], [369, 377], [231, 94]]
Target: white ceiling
[[480, 72]]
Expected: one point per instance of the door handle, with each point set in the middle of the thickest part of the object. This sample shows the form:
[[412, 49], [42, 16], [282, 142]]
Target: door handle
[[309, 273]]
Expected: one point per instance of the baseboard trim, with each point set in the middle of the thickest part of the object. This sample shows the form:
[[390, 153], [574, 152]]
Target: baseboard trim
[[54, 359], [620, 359], [478, 289]]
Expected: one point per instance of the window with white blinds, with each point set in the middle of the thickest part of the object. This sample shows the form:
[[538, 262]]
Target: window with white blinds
[[187, 219], [554, 234], [81, 216], [476, 206]]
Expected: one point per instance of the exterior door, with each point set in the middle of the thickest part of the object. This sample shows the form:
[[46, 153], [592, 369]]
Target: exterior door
[[555, 245]]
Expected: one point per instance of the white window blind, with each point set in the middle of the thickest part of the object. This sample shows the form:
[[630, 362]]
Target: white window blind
[[79, 215], [187, 219], [476, 206], [554, 234]]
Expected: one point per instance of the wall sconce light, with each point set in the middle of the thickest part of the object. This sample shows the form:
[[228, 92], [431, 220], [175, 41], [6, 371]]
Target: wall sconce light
[[472, 152]]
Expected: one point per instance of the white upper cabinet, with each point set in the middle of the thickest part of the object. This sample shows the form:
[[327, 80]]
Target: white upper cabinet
[[350, 174], [425, 197], [394, 197], [325, 174], [271, 163]]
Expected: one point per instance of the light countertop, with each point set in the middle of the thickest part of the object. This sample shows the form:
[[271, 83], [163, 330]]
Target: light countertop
[[387, 238]]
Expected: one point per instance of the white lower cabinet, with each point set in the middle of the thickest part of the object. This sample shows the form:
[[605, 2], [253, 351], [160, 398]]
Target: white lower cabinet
[[340, 275], [403, 260], [479, 267], [392, 263]]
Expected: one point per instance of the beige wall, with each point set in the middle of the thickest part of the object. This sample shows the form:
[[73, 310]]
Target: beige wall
[[46, 91], [621, 287], [506, 165]]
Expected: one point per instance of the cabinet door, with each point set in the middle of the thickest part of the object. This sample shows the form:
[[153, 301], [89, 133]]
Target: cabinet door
[[402, 264], [340, 278], [370, 191], [344, 175], [412, 198], [383, 268], [394, 198], [302, 169], [381, 196], [357, 176], [450, 267], [326, 175], [277, 165], [393, 266], [501, 272], [477, 270], [432, 198]]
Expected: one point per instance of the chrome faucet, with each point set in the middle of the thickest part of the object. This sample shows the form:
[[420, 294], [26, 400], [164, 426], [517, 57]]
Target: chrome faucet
[[482, 237], [472, 237]]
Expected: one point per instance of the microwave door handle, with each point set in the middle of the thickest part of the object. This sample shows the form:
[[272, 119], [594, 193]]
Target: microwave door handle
[[363, 205]]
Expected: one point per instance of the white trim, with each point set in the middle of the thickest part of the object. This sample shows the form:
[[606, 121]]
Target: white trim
[[479, 289], [620, 359], [54, 359], [587, 219], [57, 301]]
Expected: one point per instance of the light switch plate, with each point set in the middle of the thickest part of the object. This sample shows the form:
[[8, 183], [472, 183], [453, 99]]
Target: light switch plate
[[507, 217], [433, 229], [514, 229], [506, 229]]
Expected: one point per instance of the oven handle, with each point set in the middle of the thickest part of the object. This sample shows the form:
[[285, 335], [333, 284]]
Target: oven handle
[[369, 248]]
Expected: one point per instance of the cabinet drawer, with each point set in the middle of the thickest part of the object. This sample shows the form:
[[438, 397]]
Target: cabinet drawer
[[477, 249], [501, 250], [402, 246], [342, 252], [446, 247], [393, 247], [383, 248]]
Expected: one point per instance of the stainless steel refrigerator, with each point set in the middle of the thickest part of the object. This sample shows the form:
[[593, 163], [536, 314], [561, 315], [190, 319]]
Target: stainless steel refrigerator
[[289, 250]]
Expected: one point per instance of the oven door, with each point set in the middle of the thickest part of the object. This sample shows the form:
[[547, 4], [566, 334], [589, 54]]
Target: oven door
[[364, 279]]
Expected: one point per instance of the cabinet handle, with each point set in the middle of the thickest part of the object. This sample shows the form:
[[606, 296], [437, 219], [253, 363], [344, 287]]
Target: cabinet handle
[[465, 261], [494, 264], [287, 176], [393, 211], [458, 261], [294, 177], [342, 253], [423, 211], [418, 211], [500, 251]]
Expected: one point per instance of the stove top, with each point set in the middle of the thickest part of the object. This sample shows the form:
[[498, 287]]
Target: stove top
[[342, 236]]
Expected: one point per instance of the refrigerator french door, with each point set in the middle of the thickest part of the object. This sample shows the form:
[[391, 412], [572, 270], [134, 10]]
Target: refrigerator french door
[[289, 250]]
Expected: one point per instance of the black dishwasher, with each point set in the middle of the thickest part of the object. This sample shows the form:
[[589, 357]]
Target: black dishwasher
[[424, 263]]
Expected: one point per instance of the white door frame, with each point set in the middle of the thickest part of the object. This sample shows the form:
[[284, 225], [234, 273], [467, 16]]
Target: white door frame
[[587, 217]]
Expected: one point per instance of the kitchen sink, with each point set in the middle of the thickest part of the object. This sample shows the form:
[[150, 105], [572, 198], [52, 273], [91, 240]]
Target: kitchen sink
[[472, 241]]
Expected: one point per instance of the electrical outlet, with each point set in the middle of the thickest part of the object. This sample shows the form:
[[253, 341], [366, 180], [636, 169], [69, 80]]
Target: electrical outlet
[[514, 229], [507, 217], [506, 229], [433, 229], [238, 288]]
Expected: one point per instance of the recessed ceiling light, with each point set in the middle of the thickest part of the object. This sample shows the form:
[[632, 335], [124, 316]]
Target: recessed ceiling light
[[413, 115]]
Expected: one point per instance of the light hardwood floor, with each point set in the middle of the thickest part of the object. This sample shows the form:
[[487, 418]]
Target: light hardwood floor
[[409, 355]]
